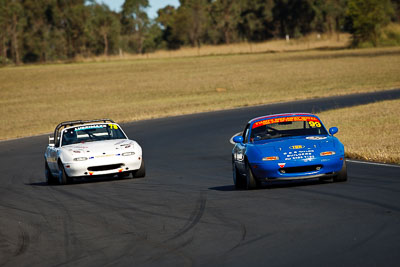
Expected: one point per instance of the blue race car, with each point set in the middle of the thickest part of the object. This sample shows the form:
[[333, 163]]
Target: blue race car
[[287, 147]]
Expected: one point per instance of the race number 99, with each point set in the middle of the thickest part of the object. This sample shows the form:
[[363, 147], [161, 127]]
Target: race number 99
[[314, 124]]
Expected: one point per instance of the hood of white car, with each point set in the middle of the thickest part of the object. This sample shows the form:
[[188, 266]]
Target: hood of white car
[[100, 148]]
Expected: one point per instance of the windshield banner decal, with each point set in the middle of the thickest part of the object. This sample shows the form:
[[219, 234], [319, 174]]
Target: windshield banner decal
[[284, 119]]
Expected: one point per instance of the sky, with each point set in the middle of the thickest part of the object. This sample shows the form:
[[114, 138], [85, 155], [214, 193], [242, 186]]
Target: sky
[[151, 12]]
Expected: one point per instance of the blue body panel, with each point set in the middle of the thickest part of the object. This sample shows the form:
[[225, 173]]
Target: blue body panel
[[294, 157]]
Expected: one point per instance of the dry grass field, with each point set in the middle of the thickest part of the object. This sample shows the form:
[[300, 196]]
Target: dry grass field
[[33, 99], [368, 132], [311, 41]]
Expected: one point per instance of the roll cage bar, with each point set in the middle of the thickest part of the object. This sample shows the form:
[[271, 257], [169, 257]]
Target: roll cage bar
[[66, 124]]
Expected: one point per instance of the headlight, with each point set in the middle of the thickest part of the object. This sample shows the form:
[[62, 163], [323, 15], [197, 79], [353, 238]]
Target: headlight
[[80, 159], [128, 153], [270, 158], [327, 153]]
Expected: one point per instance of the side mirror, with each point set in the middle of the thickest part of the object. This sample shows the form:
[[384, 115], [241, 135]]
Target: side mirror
[[238, 139], [51, 141], [333, 130]]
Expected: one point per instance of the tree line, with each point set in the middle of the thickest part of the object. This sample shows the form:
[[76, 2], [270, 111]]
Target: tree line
[[51, 30]]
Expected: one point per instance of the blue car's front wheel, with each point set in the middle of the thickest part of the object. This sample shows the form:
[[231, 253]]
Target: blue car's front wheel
[[251, 182], [342, 175], [238, 179]]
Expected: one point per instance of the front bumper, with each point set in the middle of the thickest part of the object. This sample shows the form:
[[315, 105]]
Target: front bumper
[[297, 170], [103, 166]]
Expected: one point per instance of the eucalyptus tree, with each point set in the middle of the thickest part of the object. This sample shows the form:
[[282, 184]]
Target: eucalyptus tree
[[224, 17], [134, 23], [11, 25], [102, 29], [367, 17]]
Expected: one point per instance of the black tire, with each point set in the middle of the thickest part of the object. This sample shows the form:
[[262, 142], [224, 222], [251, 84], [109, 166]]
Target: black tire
[[141, 172], [342, 175], [251, 182], [238, 179], [50, 179], [62, 176], [123, 175]]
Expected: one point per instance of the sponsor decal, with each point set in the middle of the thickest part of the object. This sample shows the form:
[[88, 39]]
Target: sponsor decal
[[105, 156], [90, 127], [316, 137], [296, 147], [281, 165], [315, 121], [299, 154]]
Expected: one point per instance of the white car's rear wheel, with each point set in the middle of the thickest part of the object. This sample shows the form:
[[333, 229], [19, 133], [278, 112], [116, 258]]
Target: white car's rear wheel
[[47, 173]]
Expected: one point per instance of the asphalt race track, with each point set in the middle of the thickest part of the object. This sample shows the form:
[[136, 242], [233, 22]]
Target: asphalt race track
[[186, 211]]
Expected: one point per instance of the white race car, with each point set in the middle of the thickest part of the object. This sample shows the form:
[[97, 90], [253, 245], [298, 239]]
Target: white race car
[[91, 148]]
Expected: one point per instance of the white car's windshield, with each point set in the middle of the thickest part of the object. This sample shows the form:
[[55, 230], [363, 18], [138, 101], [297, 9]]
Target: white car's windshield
[[90, 133], [286, 126]]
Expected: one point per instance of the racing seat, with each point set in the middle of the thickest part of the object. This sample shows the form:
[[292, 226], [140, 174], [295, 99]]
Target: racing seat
[[69, 137], [259, 131]]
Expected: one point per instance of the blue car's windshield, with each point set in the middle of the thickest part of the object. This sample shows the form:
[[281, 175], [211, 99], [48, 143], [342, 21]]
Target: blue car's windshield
[[286, 126], [90, 133]]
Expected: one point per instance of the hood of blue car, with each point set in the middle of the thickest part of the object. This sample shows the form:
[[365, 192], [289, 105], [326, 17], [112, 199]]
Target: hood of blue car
[[294, 148]]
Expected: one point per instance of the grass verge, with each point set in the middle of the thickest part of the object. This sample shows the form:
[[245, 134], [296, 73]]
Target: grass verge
[[309, 42], [33, 99], [368, 132]]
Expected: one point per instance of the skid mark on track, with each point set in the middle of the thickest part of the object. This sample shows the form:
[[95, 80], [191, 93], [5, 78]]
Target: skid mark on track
[[127, 231], [365, 240], [191, 222], [353, 199], [23, 241], [175, 250], [248, 242], [114, 204], [72, 246], [235, 225], [6, 248], [193, 219]]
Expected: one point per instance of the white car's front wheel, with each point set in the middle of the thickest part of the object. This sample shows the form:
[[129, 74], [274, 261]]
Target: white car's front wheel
[[62, 176], [141, 172]]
